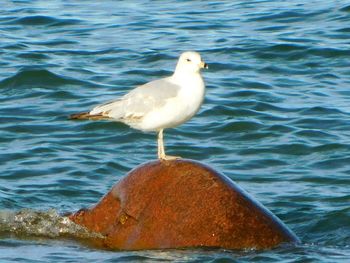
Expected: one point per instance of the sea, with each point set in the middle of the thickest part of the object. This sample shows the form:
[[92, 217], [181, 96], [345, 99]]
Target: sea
[[275, 119]]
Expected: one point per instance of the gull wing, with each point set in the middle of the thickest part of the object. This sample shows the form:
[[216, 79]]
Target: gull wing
[[139, 101]]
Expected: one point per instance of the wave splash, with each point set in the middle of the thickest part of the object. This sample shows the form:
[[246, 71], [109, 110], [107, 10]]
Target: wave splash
[[50, 224]]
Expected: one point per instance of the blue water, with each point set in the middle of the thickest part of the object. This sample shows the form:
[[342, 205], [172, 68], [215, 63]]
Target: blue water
[[275, 119]]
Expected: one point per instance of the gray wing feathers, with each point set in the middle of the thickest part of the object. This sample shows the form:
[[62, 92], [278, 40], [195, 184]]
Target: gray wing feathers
[[140, 100], [104, 108]]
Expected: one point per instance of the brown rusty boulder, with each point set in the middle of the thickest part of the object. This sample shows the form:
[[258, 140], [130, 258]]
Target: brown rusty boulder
[[178, 204]]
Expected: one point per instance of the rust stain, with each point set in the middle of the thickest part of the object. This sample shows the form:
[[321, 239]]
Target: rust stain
[[123, 218]]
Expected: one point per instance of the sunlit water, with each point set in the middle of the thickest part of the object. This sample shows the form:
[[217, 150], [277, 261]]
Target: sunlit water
[[276, 116]]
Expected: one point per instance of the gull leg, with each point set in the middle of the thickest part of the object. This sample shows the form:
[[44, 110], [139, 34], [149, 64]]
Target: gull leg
[[161, 150]]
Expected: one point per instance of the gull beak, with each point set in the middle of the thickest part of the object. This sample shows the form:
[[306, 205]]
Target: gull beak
[[204, 65]]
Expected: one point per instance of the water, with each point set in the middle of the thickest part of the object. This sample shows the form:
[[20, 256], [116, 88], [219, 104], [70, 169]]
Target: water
[[275, 119]]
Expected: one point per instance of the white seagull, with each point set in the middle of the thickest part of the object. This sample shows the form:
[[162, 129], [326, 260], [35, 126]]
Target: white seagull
[[159, 104]]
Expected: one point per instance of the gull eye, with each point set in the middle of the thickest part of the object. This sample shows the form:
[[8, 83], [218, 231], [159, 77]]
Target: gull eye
[[188, 60]]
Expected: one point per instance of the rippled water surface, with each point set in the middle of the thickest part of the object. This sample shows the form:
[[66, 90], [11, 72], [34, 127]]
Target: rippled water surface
[[276, 118]]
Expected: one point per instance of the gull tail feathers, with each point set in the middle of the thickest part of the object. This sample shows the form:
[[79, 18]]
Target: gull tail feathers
[[88, 116]]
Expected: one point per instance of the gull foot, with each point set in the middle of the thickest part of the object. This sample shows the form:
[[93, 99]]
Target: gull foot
[[169, 158]]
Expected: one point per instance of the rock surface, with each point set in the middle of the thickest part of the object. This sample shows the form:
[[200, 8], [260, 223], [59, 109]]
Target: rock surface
[[178, 204]]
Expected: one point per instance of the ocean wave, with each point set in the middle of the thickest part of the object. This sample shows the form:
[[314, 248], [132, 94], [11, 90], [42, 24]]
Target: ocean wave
[[40, 20], [37, 77]]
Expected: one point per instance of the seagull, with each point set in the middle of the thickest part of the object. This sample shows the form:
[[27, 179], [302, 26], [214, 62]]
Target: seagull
[[159, 104]]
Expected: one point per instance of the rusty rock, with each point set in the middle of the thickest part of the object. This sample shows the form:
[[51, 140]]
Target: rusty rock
[[178, 204]]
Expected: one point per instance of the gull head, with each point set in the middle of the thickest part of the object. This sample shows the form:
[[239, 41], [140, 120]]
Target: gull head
[[190, 62]]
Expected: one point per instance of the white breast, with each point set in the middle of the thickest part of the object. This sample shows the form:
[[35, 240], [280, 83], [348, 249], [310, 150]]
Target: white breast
[[176, 110]]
